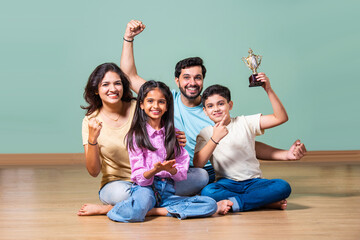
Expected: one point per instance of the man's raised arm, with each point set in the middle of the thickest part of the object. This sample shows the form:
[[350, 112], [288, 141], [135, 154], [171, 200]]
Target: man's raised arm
[[127, 62], [266, 152]]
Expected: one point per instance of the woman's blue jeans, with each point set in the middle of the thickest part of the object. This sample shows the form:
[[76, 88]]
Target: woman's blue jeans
[[249, 194], [142, 199]]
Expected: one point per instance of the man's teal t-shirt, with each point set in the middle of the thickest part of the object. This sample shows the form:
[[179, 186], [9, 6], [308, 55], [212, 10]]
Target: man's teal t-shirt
[[189, 120]]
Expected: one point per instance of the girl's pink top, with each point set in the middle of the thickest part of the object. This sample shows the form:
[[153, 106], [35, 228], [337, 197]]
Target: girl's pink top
[[142, 160]]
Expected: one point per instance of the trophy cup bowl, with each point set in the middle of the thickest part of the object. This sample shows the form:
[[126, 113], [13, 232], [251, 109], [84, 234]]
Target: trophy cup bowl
[[253, 62]]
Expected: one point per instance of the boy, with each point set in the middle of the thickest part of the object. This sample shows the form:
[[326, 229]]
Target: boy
[[230, 146]]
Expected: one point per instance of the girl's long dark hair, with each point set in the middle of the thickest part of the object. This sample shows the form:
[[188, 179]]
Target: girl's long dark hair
[[92, 86], [138, 125]]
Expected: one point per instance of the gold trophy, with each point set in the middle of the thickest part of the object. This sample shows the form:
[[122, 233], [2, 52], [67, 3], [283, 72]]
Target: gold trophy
[[253, 62]]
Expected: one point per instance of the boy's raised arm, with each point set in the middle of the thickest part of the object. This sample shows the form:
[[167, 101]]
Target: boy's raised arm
[[279, 116], [127, 62]]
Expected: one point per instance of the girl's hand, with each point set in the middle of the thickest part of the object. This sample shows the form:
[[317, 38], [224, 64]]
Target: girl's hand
[[220, 130], [263, 78], [133, 28], [168, 166], [181, 138], [94, 130]]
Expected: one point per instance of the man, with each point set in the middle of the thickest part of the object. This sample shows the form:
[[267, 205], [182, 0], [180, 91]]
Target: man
[[189, 115]]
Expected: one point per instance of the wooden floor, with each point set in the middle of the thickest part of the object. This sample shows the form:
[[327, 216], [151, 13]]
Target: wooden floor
[[40, 202]]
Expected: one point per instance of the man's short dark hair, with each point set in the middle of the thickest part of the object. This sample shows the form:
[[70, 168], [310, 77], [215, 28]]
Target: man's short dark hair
[[189, 62], [216, 89]]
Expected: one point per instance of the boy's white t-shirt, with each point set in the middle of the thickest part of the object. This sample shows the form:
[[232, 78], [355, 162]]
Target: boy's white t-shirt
[[235, 157]]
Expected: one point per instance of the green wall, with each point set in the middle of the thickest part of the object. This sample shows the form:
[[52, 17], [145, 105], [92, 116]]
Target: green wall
[[310, 52]]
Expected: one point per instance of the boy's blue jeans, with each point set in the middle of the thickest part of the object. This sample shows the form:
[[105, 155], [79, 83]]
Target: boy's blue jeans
[[249, 194], [142, 199]]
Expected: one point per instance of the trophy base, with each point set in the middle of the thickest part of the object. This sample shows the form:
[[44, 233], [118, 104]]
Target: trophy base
[[253, 82]]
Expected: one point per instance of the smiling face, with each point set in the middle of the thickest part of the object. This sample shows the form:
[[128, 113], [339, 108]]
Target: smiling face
[[154, 105], [216, 107], [190, 82], [110, 88]]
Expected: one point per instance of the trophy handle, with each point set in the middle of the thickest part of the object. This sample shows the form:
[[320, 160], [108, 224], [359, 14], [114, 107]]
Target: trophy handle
[[245, 61], [259, 58]]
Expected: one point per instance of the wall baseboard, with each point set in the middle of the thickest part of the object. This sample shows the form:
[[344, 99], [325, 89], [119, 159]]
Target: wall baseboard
[[79, 158], [332, 156], [42, 159]]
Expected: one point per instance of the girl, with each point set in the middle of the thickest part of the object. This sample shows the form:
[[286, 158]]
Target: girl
[[157, 161]]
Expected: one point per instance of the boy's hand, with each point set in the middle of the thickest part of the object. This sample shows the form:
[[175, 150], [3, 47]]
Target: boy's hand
[[263, 78], [296, 151], [220, 130], [133, 28], [181, 138]]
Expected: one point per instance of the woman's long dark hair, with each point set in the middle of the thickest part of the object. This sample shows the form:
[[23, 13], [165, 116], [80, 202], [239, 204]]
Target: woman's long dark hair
[[91, 90], [138, 125]]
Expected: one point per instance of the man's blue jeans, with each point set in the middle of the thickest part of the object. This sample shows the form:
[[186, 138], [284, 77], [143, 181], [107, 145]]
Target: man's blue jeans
[[197, 179], [249, 194], [142, 199]]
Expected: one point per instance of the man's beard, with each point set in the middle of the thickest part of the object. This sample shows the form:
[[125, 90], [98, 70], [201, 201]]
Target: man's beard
[[191, 97]]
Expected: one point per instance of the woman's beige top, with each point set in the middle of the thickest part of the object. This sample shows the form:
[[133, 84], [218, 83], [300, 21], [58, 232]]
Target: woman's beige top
[[114, 156]]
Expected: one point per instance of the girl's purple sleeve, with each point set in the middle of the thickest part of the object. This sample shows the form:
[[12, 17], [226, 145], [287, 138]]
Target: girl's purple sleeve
[[182, 166], [138, 166]]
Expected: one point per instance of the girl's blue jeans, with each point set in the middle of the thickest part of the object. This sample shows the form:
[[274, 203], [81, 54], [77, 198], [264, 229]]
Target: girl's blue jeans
[[249, 194], [117, 191], [142, 199]]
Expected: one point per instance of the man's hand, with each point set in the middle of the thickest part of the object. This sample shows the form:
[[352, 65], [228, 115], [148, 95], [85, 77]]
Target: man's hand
[[181, 138], [296, 151], [133, 28]]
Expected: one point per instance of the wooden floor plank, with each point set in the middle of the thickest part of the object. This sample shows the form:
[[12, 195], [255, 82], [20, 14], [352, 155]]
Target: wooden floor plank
[[40, 202]]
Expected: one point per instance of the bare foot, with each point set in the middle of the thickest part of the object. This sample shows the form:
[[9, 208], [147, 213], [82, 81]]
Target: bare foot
[[157, 212], [282, 205], [224, 207], [90, 209]]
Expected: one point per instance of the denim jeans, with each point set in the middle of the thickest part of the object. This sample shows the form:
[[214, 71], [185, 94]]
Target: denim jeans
[[142, 199], [211, 172], [114, 192], [197, 179], [249, 194], [117, 191]]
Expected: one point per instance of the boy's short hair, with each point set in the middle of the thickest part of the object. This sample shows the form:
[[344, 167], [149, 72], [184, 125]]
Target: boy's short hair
[[189, 62], [216, 89]]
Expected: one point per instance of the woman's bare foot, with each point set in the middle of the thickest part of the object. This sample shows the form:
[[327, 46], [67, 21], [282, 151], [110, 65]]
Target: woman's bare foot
[[282, 205], [89, 209], [224, 207]]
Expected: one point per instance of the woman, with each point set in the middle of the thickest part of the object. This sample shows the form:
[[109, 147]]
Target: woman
[[107, 121]]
